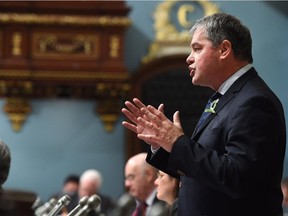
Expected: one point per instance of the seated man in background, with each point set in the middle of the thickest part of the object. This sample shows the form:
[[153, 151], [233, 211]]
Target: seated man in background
[[89, 184], [70, 186], [139, 182]]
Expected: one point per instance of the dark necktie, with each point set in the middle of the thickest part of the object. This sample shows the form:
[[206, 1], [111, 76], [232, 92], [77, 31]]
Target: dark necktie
[[140, 209], [206, 113]]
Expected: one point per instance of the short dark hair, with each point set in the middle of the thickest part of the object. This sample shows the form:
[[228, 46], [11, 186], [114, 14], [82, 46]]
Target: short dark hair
[[72, 178], [5, 160], [221, 26]]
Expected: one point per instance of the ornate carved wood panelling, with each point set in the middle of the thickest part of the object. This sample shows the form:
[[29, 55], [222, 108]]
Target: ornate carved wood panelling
[[63, 49]]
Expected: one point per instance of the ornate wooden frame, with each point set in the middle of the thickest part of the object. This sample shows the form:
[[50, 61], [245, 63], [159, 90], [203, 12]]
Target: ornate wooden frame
[[61, 49]]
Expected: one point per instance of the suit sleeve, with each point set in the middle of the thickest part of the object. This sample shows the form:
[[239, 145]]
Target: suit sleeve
[[160, 161], [237, 150]]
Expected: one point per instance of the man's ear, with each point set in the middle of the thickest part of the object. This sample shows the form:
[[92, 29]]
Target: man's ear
[[225, 49], [150, 175]]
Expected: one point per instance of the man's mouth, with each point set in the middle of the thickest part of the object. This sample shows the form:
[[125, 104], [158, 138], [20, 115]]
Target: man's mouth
[[192, 72]]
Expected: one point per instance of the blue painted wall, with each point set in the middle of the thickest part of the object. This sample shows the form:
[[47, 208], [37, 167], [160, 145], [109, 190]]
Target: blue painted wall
[[64, 136]]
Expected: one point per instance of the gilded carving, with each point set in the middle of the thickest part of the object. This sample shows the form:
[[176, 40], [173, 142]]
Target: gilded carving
[[167, 37], [182, 15], [109, 97], [30, 18], [17, 109], [62, 75], [16, 44], [114, 46], [77, 40], [165, 30], [61, 44], [15, 87]]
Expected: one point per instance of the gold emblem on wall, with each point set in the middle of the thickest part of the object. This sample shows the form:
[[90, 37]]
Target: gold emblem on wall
[[173, 20]]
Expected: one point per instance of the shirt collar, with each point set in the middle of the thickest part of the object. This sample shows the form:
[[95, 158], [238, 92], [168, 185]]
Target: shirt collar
[[226, 85], [150, 199]]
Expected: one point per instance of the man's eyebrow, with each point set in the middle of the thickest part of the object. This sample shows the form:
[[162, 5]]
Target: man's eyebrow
[[195, 44]]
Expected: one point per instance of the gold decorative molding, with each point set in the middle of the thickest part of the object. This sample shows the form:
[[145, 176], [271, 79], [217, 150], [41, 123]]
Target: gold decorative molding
[[16, 43], [110, 97], [17, 106], [60, 75], [61, 45], [15, 87], [17, 109], [62, 51], [168, 39], [30, 18], [114, 46]]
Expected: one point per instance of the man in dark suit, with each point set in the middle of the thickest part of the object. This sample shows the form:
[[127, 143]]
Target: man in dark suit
[[232, 165]]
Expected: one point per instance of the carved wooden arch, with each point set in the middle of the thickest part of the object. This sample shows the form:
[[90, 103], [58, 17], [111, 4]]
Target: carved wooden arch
[[147, 73]]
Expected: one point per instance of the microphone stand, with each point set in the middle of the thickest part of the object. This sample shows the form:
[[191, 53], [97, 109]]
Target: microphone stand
[[63, 201], [82, 202]]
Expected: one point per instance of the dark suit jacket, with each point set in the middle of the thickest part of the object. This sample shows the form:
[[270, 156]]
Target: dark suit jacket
[[232, 166]]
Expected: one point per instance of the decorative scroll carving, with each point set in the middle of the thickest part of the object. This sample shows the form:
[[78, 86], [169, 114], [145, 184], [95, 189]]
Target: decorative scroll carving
[[17, 106], [63, 44], [109, 97], [17, 109]]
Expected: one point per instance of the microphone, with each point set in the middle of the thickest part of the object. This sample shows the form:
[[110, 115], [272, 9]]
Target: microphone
[[92, 203], [46, 207], [82, 203], [63, 201], [124, 204], [37, 203]]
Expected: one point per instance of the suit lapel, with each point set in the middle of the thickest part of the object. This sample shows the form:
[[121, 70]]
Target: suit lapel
[[231, 92]]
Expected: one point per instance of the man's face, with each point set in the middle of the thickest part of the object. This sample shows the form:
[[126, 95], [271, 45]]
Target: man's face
[[203, 60], [135, 182], [87, 188], [70, 188]]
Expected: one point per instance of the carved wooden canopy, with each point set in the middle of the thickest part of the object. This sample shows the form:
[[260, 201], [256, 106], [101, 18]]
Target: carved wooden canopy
[[63, 49]]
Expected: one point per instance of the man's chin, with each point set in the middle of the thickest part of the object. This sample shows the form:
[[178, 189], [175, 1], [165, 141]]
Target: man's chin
[[194, 81]]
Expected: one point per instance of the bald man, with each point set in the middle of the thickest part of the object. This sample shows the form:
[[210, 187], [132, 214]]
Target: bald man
[[139, 182], [90, 184]]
